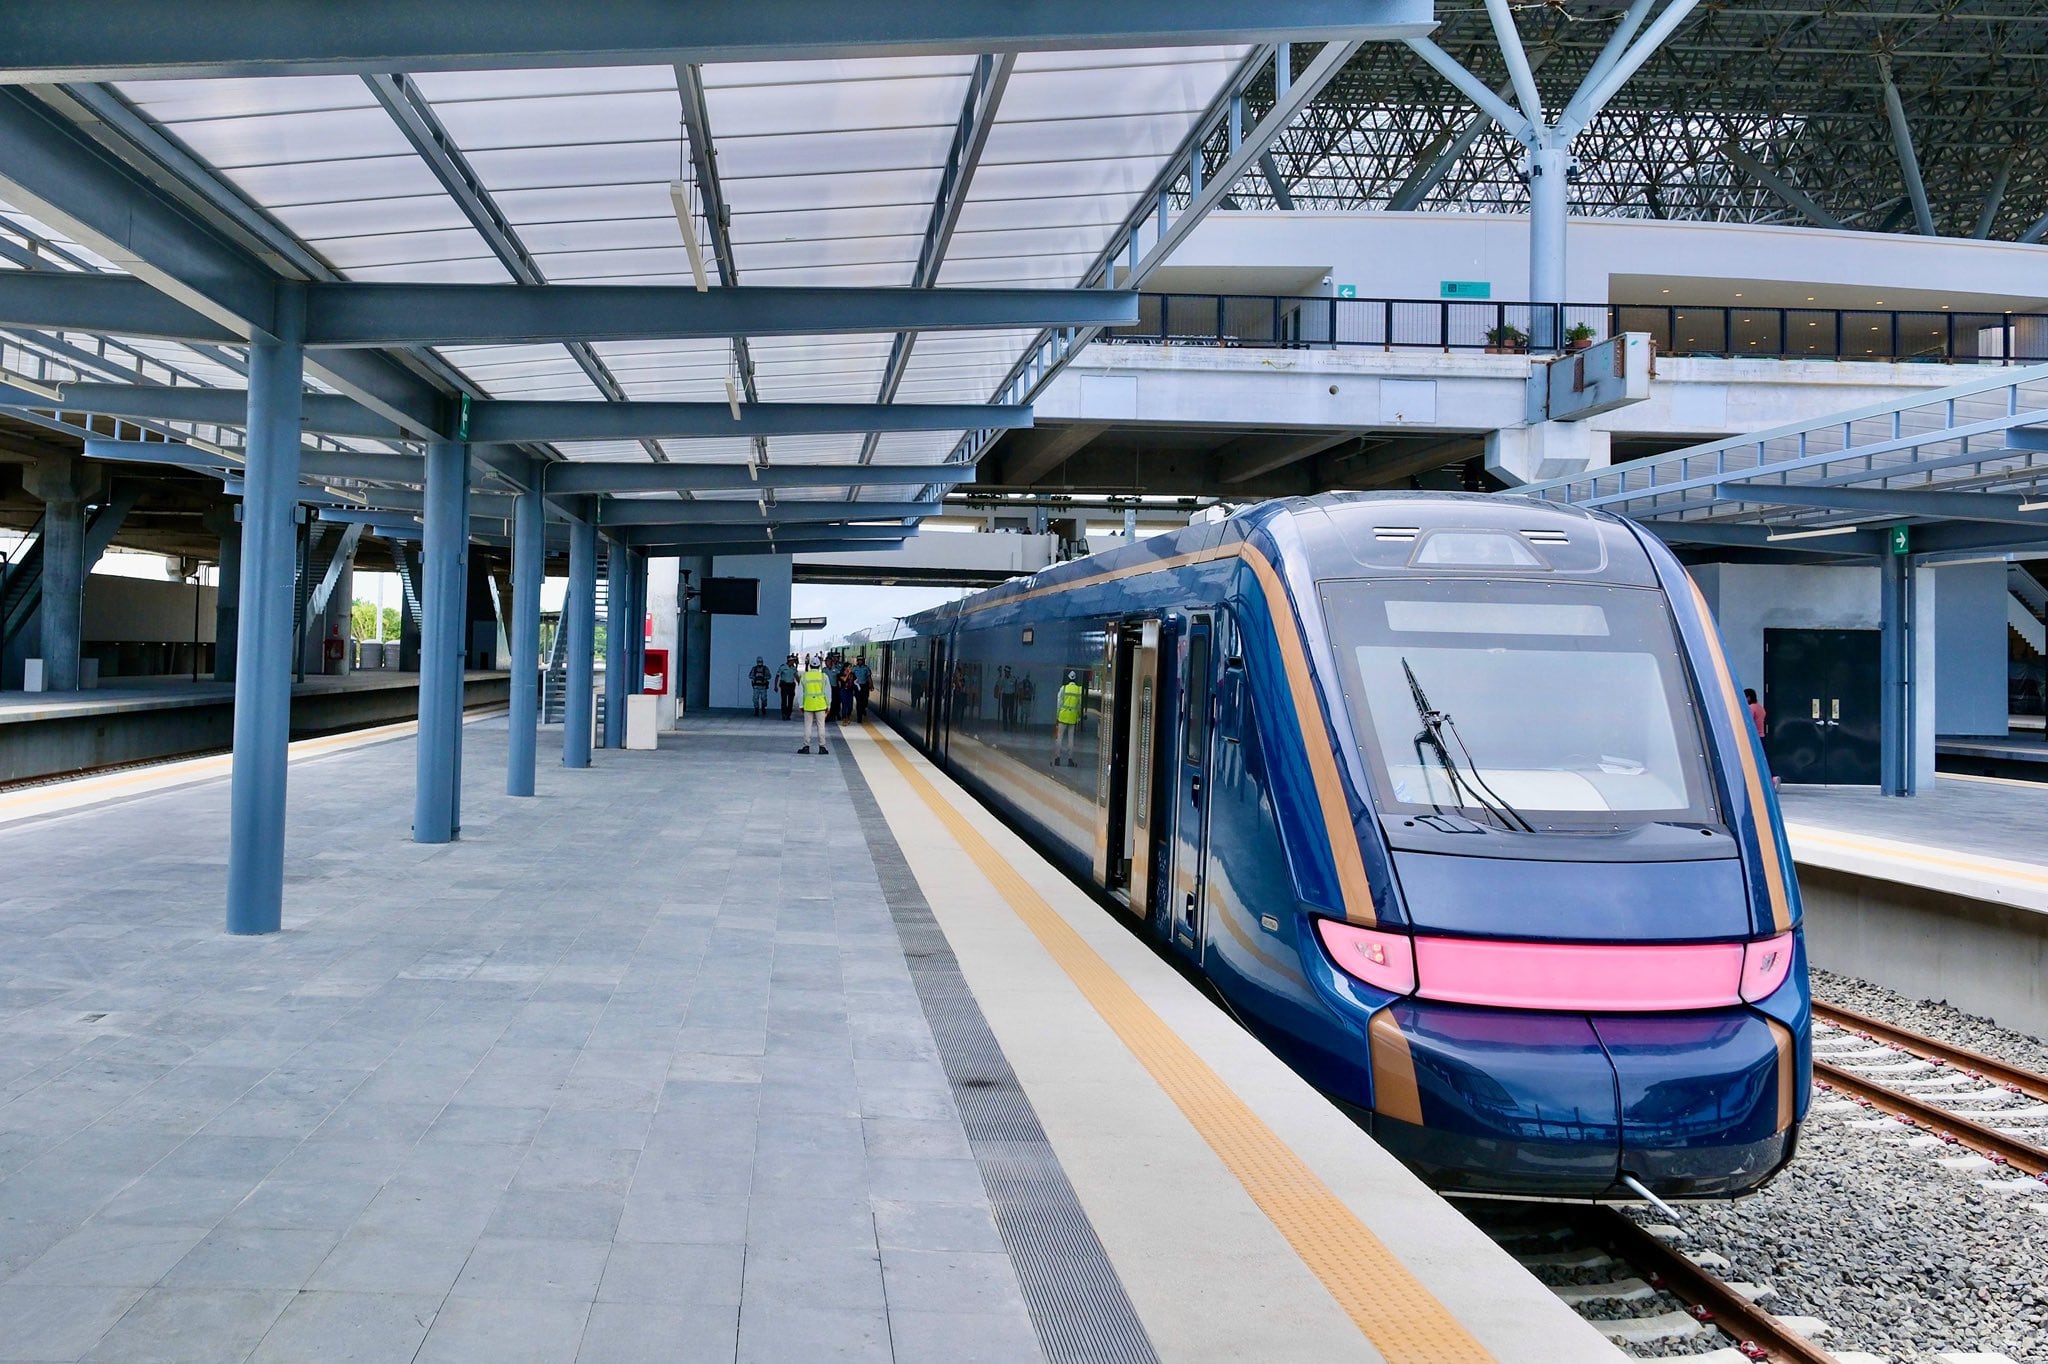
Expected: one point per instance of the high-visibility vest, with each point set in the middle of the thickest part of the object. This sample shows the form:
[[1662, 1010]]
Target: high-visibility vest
[[1070, 704], [814, 690]]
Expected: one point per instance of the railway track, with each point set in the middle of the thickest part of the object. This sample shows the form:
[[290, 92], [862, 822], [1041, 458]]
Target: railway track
[[1641, 1290], [1638, 1286], [1968, 1099]]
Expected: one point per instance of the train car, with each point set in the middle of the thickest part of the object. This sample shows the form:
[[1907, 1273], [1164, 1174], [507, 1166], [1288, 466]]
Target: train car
[[1450, 797]]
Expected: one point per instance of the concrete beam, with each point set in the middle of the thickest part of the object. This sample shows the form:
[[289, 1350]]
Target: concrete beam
[[1026, 460], [1245, 458]]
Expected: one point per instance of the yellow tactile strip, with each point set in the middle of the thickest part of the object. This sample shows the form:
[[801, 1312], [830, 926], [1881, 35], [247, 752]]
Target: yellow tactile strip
[[1402, 1319]]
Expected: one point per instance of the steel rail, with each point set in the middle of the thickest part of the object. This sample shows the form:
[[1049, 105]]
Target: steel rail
[[1990, 1068], [1760, 1335]]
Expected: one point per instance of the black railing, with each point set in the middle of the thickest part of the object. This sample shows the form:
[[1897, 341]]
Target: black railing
[[1940, 336]]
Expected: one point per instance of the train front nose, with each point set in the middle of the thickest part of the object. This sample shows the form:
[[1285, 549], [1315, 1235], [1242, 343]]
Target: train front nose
[[1564, 1105]]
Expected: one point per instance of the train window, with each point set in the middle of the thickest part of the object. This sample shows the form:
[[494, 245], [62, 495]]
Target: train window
[[1523, 705], [1198, 699]]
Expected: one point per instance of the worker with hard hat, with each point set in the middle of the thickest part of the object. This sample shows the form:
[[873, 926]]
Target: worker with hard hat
[[1069, 720], [817, 698]]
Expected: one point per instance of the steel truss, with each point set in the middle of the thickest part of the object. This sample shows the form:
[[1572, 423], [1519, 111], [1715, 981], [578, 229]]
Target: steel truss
[[1798, 86]]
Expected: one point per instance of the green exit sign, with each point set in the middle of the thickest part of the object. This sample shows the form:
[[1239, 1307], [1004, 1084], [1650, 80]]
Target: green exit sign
[[1900, 542], [1464, 288]]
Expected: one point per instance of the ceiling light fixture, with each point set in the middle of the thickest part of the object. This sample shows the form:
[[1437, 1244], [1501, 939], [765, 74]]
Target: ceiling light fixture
[[1812, 534], [681, 192]]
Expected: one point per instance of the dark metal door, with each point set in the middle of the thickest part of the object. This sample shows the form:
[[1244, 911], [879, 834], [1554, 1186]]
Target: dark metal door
[[1822, 696]]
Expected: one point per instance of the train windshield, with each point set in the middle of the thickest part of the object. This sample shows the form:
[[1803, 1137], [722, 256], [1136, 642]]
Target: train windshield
[[1521, 705]]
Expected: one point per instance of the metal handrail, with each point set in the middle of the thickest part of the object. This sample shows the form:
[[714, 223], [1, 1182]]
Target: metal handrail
[[1943, 336]]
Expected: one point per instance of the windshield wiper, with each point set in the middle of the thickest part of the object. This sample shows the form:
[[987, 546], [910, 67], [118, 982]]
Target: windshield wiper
[[1434, 724]]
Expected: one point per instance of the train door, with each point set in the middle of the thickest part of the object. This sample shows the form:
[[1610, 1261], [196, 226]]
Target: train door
[[1189, 804], [1138, 722], [935, 689], [1822, 696]]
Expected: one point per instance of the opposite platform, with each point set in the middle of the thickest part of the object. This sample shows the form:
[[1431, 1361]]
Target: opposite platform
[[685, 1059]]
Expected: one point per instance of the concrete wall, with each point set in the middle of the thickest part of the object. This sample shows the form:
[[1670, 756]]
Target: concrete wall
[[1408, 255], [139, 611], [735, 640], [1969, 665]]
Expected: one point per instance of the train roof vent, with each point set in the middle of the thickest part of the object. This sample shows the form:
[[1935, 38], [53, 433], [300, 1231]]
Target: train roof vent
[[1395, 532], [1548, 537]]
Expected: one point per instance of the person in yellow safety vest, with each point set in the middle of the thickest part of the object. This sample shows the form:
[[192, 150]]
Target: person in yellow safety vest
[[817, 697], [1069, 718]]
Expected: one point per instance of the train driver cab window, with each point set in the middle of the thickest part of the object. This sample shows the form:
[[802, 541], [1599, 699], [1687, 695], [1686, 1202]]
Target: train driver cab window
[[1526, 706], [1198, 699]]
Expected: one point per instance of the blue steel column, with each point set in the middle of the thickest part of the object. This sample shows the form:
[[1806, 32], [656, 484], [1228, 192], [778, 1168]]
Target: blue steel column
[[1549, 174], [1895, 642], [618, 605], [459, 605], [441, 645], [639, 621], [579, 621], [529, 550], [263, 665]]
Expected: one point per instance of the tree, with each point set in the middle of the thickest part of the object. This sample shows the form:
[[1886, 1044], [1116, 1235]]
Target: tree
[[362, 617]]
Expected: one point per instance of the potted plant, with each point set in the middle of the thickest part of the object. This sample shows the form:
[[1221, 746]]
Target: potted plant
[[1506, 339], [1578, 336]]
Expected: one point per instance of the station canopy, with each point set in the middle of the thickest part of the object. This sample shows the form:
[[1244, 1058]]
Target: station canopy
[[819, 181]]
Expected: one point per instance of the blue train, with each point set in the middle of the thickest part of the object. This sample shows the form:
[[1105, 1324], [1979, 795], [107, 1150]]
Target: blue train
[[1452, 800]]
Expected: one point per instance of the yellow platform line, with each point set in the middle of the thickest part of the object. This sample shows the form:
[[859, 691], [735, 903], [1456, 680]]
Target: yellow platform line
[[1990, 869], [1402, 1319]]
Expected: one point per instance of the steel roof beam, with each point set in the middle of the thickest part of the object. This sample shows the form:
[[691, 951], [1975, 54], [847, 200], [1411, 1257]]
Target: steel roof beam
[[109, 305], [671, 512], [326, 412], [717, 216], [132, 39], [51, 170], [693, 548], [380, 315], [422, 127], [643, 536], [621, 476], [1895, 502], [1777, 184], [1909, 159], [511, 421], [970, 135]]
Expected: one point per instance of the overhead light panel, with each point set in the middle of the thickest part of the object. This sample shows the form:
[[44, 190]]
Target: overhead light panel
[[679, 194], [732, 398], [1812, 534], [2035, 502]]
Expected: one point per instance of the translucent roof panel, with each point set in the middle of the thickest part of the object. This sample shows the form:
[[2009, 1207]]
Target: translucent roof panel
[[531, 371], [829, 169], [322, 156], [1078, 139]]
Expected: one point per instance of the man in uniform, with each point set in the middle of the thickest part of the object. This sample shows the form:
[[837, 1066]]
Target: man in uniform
[[1069, 720], [817, 699], [786, 678], [759, 677]]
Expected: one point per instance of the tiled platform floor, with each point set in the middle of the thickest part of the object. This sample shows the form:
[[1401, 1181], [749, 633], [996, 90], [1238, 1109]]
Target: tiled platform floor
[[1992, 818], [634, 1071]]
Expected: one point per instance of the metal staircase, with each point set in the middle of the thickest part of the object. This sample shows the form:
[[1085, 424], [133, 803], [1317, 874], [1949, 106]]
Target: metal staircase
[[406, 560], [554, 686], [21, 587], [21, 595], [328, 547], [2026, 607]]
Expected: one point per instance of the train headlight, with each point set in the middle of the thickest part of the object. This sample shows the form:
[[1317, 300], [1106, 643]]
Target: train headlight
[[1385, 961], [1765, 965]]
